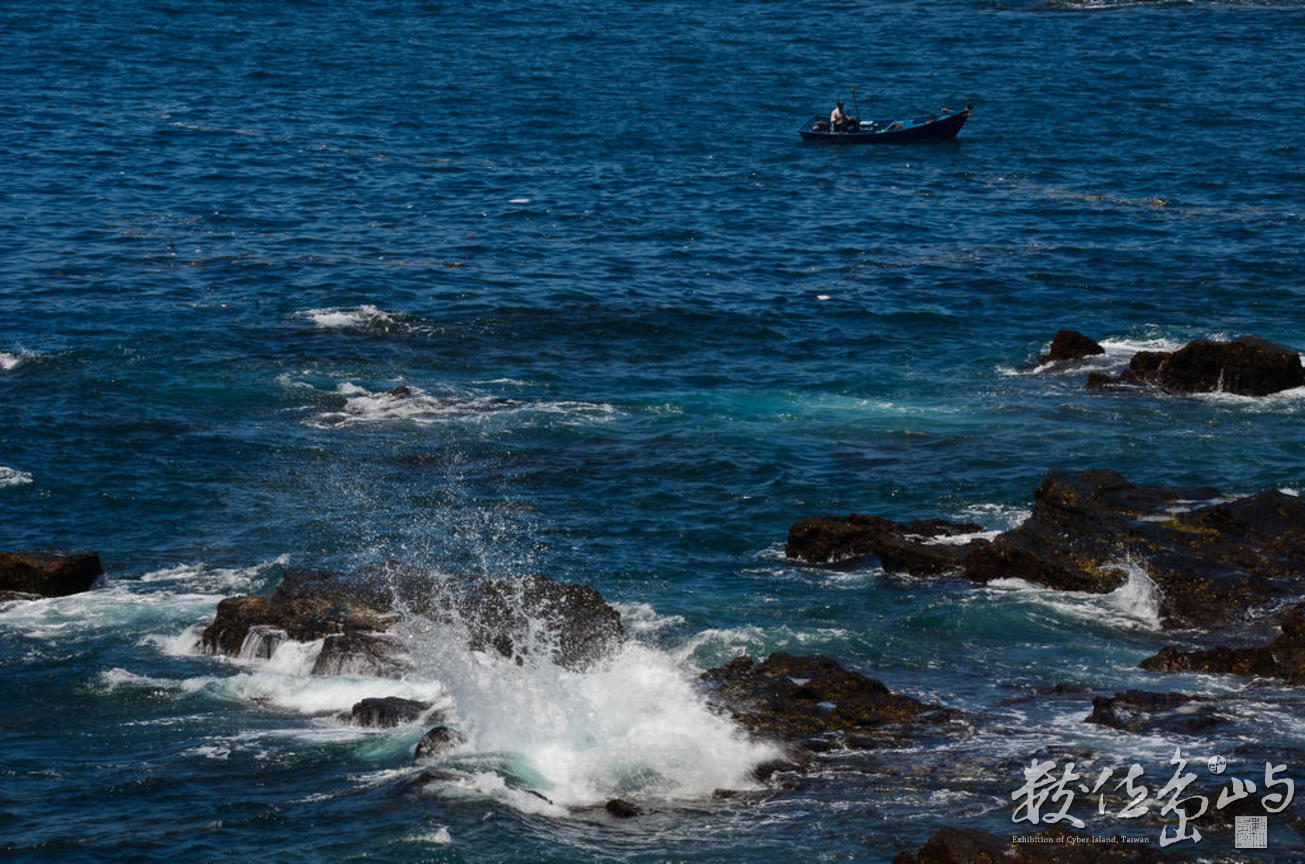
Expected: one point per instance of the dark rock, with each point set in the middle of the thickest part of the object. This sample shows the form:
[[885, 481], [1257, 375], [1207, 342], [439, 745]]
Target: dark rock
[[1142, 711], [621, 808], [386, 712], [951, 844], [17, 597], [1283, 658], [48, 573], [765, 771], [912, 547], [1070, 345], [1211, 563], [1221, 660], [295, 609], [437, 742], [799, 697], [1247, 366]]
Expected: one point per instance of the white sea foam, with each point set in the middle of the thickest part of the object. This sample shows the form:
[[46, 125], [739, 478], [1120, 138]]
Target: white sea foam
[[439, 837], [1005, 516], [956, 539], [10, 362], [415, 405], [114, 607], [343, 317], [183, 644], [1133, 605], [642, 618], [13, 477], [715, 645], [285, 684], [493, 785], [302, 693], [1283, 402], [201, 578]]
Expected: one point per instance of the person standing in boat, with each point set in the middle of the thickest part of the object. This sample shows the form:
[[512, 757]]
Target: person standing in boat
[[838, 119]]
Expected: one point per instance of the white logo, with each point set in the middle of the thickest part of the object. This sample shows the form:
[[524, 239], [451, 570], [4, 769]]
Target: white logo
[[1218, 764]]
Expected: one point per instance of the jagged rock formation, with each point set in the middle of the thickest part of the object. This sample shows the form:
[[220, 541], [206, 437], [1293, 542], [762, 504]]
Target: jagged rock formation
[[799, 698], [1211, 559]]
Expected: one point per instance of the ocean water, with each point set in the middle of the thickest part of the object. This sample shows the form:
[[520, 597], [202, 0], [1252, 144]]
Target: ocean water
[[644, 328]]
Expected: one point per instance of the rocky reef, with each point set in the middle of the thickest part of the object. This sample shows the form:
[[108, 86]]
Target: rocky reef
[[916, 547], [1211, 558], [1144, 711], [809, 699]]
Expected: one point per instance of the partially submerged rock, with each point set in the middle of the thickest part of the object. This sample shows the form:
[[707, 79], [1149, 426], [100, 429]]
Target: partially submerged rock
[[919, 548], [798, 698], [1143, 711], [1282, 658], [387, 712], [438, 741], [621, 809], [295, 609], [1211, 559], [43, 573], [1246, 366], [1070, 345], [361, 652]]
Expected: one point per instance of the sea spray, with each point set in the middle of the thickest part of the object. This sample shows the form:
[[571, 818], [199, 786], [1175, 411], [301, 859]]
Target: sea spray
[[1139, 598], [631, 725]]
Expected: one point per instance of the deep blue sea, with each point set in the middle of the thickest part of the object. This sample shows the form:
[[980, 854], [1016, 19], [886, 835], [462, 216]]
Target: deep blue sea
[[644, 328]]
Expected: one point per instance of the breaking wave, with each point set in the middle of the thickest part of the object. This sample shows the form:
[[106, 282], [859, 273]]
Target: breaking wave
[[357, 405], [13, 477], [337, 317]]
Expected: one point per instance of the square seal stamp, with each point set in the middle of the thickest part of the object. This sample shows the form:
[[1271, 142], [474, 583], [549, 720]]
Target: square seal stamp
[[1251, 832]]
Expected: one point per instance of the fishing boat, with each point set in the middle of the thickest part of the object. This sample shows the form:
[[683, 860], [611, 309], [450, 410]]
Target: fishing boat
[[944, 124]]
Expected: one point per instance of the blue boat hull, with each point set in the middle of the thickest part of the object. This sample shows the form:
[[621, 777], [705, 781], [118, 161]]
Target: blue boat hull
[[932, 127]]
